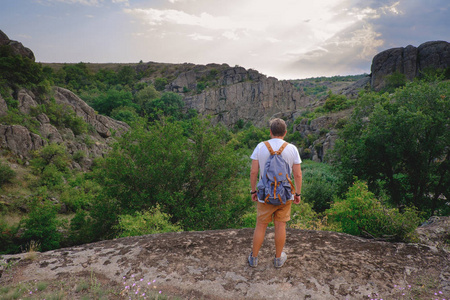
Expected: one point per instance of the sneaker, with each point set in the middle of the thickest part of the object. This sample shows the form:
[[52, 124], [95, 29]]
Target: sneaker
[[252, 261], [279, 262]]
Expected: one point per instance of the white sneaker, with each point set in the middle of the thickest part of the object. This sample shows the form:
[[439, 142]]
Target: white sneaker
[[279, 262]]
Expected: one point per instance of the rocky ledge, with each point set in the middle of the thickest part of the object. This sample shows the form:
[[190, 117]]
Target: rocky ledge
[[213, 265]]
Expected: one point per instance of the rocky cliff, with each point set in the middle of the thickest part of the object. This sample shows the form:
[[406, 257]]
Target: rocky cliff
[[213, 265], [21, 141], [234, 94], [410, 61]]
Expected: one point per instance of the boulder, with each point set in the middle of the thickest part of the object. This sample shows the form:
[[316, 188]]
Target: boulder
[[3, 107], [213, 265], [26, 101], [19, 140], [16, 47], [103, 125], [410, 61], [435, 232]]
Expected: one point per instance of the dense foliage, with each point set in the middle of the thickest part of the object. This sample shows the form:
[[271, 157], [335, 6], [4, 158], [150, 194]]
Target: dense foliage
[[192, 173], [399, 143]]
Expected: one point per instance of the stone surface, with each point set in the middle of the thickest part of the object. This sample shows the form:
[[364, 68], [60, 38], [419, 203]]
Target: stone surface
[[3, 107], [239, 94], [16, 47], [26, 101], [102, 124], [213, 265], [435, 232], [323, 129], [19, 140], [410, 61]]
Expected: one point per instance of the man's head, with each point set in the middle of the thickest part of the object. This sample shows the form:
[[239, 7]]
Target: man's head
[[278, 127]]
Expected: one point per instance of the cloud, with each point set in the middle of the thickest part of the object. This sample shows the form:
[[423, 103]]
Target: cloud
[[198, 37], [84, 2]]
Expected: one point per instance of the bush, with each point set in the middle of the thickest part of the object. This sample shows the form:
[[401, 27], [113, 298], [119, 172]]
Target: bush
[[8, 240], [62, 116], [335, 102], [360, 213], [190, 171], [319, 185], [6, 173], [147, 222], [41, 225], [51, 155], [394, 81]]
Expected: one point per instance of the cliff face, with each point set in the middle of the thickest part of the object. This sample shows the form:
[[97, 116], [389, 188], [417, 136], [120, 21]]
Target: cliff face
[[213, 265], [410, 61], [236, 94], [21, 141]]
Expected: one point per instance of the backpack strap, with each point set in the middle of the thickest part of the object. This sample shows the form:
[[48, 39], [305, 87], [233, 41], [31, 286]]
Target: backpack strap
[[275, 152], [269, 147], [282, 148]]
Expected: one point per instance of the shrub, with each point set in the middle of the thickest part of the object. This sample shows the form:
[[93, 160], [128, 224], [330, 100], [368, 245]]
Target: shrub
[[319, 185], [160, 83], [41, 225], [191, 172], [8, 242], [52, 154], [62, 116], [360, 213], [335, 102], [147, 222], [394, 81], [6, 173]]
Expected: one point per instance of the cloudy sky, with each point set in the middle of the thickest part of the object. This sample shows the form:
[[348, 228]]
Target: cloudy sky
[[287, 39]]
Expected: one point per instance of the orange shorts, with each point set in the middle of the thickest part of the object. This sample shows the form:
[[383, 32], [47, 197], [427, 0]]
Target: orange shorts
[[267, 213]]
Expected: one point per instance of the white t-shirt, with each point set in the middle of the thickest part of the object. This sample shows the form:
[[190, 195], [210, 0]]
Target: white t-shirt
[[261, 154]]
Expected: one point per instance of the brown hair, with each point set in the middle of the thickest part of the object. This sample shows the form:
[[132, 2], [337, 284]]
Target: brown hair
[[278, 127]]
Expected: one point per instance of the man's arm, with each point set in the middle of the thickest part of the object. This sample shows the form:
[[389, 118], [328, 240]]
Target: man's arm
[[254, 178], [297, 170]]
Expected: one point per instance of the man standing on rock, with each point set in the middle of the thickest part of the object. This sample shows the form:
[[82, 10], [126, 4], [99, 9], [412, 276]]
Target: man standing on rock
[[267, 212]]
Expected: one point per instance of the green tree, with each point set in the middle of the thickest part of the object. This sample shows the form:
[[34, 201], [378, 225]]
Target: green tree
[[126, 75], [17, 71], [399, 144], [146, 95], [191, 175], [360, 213], [160, 83], [169, 105], [41, 224], [105, 103]]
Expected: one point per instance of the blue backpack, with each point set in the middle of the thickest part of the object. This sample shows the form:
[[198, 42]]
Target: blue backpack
[[275, 186]]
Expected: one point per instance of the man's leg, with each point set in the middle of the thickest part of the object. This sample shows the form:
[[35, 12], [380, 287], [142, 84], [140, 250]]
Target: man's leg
[[258, 237], [280, 237]]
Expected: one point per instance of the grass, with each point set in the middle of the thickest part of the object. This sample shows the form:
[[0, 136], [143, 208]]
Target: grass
[[89, 287]]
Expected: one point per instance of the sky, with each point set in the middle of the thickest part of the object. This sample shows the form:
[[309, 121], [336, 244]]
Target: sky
[[286, 39]]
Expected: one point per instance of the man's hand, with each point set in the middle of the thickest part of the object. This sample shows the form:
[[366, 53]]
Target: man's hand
[[255, 197], [297, 199]]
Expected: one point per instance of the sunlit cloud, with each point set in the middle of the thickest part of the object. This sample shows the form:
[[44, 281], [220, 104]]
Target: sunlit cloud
[[198, 37]]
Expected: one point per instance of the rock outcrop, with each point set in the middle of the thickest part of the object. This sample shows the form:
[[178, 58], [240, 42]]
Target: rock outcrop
[[16, 47], [21, 141], [213, 265], [410, 61], [323, 131], [103, 125], [236, 95]]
